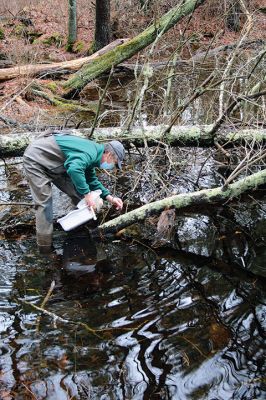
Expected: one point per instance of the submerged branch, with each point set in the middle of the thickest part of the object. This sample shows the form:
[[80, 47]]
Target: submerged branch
[[60, 319], [43, 304]]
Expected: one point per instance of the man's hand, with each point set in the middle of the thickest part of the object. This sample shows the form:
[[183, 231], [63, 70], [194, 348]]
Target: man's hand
[[115, 201], [89, 200]]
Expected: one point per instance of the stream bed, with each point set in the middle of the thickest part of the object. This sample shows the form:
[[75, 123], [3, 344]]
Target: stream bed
[[182, 321]]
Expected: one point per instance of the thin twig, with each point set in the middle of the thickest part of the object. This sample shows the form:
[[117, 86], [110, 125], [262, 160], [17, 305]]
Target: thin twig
[[15, 204], [199, 91], [232, 106], [238, 171], [100, 102], [47, 297], [32, 394], [232, 57]]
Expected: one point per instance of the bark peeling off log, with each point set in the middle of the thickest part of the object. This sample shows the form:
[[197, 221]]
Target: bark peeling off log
[[181, 201], [15, 144]]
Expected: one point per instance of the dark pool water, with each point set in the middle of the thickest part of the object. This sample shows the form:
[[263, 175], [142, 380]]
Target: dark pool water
[[168, 324]]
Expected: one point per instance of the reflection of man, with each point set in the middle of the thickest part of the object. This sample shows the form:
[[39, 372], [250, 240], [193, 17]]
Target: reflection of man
[[69, 162], [85, 266]]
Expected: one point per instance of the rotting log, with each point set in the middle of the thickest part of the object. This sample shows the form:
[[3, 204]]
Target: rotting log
[[181, 201], [202, 57], [43, 69], [126, 50], [65, 104], [247, 44], [183, 136]]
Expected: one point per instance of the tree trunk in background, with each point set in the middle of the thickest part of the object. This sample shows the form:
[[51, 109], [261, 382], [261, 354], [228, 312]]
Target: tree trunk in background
[[233, 15], [72, 24], [102, 26]]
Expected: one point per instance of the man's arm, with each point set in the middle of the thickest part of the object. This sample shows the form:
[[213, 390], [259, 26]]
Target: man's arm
[[95, 184]]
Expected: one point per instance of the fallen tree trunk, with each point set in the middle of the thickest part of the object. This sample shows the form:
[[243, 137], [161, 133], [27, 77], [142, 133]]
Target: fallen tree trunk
[[181, 201], [247, 44], [185, 136], [104, 63], [202, 57], [43, 69]]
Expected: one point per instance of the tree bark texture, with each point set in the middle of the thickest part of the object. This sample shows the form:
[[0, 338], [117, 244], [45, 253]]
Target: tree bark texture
[[87, 73], [180, 201], [102, 34], [186, 136], [72, 24], [233, 15], [42, 69]]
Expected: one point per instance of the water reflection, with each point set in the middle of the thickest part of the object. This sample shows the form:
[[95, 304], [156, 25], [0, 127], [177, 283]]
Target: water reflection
[[85, 266], [168, 325]]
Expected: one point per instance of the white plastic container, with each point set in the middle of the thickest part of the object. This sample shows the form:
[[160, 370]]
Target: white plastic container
[[81, 215]]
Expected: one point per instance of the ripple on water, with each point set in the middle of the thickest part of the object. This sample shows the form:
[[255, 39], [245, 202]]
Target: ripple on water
[[163, 331]]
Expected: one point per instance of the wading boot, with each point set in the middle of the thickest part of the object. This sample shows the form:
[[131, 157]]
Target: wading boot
[[44, 243]]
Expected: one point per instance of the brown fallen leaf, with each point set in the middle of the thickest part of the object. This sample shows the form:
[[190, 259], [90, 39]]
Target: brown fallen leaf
[[219, 335], [165, 227]]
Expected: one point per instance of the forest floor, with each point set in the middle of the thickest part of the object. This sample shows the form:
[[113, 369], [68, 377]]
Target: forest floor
[[34, 32]]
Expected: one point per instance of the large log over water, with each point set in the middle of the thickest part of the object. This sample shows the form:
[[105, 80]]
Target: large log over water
[[186, 136], [181, 201]]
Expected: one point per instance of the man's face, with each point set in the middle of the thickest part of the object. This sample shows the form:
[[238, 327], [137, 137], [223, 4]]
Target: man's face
[[109, 157], [108, 161]]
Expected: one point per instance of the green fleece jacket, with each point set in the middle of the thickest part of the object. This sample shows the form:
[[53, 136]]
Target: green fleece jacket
[[81, 158]]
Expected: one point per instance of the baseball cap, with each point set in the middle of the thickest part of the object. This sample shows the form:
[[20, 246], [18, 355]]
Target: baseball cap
[[119, 150]]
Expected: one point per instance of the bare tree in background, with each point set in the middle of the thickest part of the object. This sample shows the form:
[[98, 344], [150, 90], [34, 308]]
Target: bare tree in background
[[102, 34], [72, 24], [233, 15]]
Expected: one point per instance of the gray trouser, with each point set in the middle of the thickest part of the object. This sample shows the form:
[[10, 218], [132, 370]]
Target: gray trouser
[[44, 164]]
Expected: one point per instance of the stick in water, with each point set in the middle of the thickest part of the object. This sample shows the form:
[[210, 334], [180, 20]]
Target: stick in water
[[93, 213]]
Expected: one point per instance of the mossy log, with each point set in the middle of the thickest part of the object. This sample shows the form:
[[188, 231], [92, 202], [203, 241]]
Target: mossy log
[[181, 201], [65, 104], [66, 66], [126, 50], [185, 136]]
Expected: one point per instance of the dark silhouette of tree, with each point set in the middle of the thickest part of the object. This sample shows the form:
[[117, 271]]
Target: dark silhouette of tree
[[233, 15], [102, 34]]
